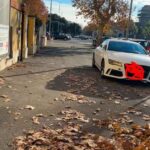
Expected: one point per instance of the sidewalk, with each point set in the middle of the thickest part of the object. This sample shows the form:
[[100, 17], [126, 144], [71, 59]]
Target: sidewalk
[[35, 92]]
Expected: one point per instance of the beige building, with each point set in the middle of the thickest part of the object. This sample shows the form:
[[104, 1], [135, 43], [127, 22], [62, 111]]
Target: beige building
[[4, 34], [20, 39]]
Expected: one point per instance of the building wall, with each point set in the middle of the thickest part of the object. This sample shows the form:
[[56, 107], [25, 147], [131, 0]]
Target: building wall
[[15, 22], [4, 34], [31, 35], [144, 16], [15, 36]]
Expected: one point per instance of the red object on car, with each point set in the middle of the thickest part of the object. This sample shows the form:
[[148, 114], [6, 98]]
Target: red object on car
[[148, 48], [134, 71]]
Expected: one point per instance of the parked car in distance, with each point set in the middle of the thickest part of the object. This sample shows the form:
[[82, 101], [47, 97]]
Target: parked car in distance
[[62, 37], [83, 37], [69, 36], [122, 59], [76, 36]]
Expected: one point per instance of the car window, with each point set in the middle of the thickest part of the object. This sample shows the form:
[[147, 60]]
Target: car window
[[126, 47]]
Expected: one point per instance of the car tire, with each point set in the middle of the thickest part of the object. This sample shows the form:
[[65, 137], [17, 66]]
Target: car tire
[[102, 69], [93, 61]]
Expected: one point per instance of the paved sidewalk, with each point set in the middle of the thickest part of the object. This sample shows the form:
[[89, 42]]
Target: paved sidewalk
[[43, 80]]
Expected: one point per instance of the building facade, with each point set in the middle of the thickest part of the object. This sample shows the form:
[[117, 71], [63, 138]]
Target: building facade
[[4, 34], [144, 15], [17, 33]]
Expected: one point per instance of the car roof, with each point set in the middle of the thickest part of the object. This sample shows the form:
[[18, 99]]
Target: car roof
[[121, 40], [138, 40]]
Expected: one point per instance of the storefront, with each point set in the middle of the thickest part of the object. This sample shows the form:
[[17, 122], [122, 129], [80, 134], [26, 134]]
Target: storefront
[[10, 32], [4, 27], [14, 26]]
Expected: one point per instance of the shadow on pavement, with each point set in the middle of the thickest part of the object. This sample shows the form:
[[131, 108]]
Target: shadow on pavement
[[61, 52], [36, 72], [86, 81]]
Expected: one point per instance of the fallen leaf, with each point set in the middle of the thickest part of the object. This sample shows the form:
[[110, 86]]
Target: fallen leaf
[[35, 120], [117, 102], [73, 115], [10, 87], [4, 96], [56, 99], [7, 100], [2, 81], [29, 107], [146, 117], [40, 115], [145, 105]]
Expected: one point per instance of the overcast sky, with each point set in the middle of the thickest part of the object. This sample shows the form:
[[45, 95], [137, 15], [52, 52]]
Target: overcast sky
[[64, 8]]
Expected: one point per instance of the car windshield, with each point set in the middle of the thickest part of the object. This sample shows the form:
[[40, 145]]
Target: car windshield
[[126, 47]]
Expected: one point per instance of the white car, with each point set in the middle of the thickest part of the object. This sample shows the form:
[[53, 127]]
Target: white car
[[122, 59]]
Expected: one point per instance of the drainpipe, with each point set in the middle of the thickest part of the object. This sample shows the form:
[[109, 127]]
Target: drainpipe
[[22, 30]]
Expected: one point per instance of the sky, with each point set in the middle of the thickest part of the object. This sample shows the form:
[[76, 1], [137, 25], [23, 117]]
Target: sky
[[64, 9]]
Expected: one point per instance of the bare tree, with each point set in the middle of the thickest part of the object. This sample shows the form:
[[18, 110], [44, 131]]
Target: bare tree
[[102, 12]]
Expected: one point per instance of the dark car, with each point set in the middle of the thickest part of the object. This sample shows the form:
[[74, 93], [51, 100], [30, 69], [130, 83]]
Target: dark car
[[83, 37], [62, 37]]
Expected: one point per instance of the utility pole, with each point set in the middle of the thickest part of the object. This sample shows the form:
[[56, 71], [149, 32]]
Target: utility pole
[[74, 29], [59, 20], [50, 17], [23, 6], [129, 20]]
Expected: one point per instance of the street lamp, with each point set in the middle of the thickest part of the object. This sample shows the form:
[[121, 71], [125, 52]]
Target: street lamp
[[130, 13], [50, 17]]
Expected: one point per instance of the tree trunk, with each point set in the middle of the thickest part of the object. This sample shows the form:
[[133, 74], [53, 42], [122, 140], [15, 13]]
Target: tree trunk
[[100, 35]]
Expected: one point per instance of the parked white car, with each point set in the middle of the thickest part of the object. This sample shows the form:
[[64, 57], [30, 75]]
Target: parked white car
[[122, 59]]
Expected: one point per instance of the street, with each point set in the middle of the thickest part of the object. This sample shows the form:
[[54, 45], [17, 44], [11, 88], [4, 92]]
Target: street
[[33, 93]]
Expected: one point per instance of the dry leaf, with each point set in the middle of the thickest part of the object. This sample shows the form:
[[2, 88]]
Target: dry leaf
[[2, 81], [7, 100], [117, 102], [29, 107], [35, 120], [4, 96], [146, 117]]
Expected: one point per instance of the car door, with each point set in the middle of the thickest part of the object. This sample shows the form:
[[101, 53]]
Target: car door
[[100, 53]]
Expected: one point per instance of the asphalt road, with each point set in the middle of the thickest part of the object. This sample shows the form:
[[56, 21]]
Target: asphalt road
[[63, 66]]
